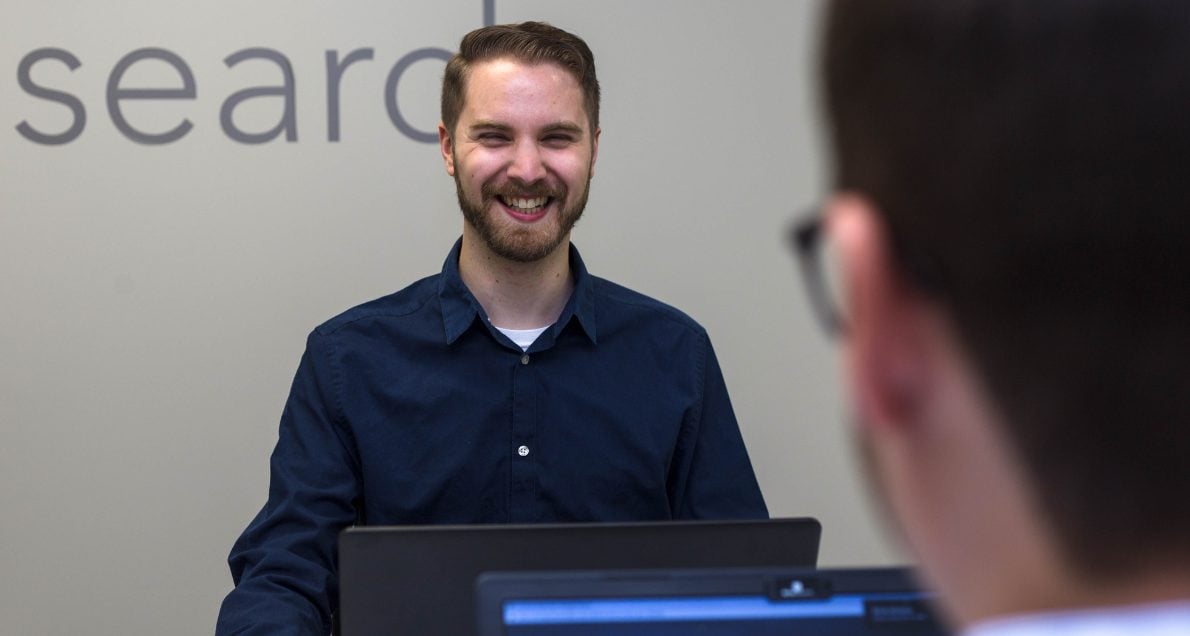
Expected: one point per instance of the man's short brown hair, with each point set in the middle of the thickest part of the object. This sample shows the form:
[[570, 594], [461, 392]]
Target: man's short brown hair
[[528, 42]]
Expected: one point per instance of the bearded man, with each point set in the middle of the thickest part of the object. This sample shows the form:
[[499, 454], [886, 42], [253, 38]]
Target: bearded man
[[513, 387]]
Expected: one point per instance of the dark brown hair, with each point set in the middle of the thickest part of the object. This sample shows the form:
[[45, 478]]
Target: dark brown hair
[[529, 42], [1030, 159]]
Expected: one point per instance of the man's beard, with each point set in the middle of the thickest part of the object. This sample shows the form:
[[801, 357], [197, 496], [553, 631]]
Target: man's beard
[[523, 245]]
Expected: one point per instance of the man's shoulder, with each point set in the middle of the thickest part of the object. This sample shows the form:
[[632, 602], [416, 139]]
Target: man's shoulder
[[615, 300], [404, 303]]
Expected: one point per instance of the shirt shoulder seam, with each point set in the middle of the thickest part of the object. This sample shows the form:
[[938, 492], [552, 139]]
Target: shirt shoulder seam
[[607, 289]]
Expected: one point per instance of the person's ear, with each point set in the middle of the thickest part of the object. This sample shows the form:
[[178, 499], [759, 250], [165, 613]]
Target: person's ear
[[886, 346], [446, 145], [594, 149]]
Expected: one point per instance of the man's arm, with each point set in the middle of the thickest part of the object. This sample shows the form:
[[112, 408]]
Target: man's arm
[[284, 564], [712, 477]]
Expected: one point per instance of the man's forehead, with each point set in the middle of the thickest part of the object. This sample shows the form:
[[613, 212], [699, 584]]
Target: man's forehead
[[509, 81], [509, 63], [506, 73]]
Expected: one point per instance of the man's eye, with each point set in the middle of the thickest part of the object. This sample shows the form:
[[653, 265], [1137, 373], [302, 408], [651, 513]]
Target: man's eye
[[559, 140]]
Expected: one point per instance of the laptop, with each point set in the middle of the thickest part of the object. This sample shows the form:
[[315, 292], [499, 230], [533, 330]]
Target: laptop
[[707, 602], [420, 580]]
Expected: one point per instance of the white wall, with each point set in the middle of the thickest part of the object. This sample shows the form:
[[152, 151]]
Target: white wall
[[154, 299]]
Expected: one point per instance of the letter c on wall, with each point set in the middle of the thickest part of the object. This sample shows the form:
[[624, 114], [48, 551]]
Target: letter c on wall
[[390, 91]]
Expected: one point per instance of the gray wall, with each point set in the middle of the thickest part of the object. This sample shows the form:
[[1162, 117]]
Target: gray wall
[[154, 299]]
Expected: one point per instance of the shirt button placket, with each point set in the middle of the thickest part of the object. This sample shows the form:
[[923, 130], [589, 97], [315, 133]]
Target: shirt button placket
[[523, 495]]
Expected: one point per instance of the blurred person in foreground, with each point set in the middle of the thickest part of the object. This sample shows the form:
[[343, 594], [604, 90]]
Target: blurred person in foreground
[[1010, 224]]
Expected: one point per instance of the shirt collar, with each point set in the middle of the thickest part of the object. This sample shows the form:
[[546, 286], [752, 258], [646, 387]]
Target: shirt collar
[[460, 308], [1156, 618]]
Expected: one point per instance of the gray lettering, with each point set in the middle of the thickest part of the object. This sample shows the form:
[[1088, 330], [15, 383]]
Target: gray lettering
[[115, 94], [334, 75], [70, 101], [288, 121], [390, 92]]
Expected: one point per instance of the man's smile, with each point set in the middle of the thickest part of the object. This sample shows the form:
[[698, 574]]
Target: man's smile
[[526, 205]]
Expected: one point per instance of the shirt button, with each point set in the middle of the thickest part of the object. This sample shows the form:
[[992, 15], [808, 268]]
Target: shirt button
[[522, 451], [525, 360]]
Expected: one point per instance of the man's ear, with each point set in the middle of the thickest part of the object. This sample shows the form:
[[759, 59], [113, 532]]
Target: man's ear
[[887, 344], [446, 145], [594, 149]]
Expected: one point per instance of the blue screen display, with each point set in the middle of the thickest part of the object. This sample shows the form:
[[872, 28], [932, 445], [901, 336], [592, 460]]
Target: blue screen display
[[842, 615]]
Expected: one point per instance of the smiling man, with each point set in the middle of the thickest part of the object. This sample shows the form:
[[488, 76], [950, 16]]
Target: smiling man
[[514, 386]]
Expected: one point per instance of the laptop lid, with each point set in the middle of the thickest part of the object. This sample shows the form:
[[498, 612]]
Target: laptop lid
[[420, 580], [708, 602]]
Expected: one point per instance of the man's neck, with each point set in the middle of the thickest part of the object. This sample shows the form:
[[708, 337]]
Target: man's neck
[[517, 295]]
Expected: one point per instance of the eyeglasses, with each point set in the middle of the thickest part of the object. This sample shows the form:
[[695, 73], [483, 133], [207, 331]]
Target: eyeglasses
[[819, 273]]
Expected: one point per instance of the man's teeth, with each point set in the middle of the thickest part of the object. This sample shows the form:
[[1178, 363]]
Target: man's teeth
[[524, 203]]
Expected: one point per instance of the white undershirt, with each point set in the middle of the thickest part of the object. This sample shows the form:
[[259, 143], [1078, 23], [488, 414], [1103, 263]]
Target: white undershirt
[[523, 337], [1164, 619]]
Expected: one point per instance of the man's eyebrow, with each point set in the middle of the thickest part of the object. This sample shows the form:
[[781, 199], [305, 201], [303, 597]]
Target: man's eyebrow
[[484, 124], [564, 126]]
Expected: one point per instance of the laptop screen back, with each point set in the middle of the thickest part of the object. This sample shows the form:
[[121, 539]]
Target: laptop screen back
[[421, 579], [708, 602]]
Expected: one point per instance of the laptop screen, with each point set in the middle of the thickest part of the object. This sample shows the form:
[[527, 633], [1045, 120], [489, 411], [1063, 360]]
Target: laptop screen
[[711, 602], [421, 579]]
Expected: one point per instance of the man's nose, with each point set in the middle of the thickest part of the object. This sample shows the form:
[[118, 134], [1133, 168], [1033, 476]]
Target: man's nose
[[527, 164]]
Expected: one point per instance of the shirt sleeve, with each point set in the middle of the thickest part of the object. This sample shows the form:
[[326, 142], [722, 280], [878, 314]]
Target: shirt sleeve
[[284, 564], [712, 476]]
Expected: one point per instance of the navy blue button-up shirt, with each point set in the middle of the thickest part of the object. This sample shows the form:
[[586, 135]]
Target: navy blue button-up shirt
[[414, 409]]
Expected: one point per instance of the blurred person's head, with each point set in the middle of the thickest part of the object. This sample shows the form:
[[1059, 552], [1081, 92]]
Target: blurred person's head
[[1012, 214]]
